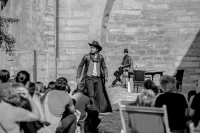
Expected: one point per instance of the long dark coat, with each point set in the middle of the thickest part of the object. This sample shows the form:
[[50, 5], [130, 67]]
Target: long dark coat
[[102, 96]]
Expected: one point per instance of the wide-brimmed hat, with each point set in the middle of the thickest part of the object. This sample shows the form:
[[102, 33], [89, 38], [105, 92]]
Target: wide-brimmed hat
[[125, 50], [95, 44]]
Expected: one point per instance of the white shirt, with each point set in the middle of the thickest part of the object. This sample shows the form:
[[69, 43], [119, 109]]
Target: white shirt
[[94, 72]]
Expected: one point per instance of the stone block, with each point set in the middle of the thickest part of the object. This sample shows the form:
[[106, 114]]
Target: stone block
[[115, 30], [149, 65], [189, 64], [42, 65], [169, 58], [129, 18], [41, 73], [195, 77], [184, 19], [24, 64], [140, 52], [157, 58], [61, 36], [164, 52], [197, 70], [65, 13], [75, 37], [156, 31], [79, 22], [71, 51], [50, 18], [157, 6], [135, 58], [50, 10], [61, 22], [41, 57], [159, 64], [51, 64], [51, 3], [116, 18], [26, 57], [129, 4], [126, 38], [82, 29], [147, 58], [111, 37], [79, 13], [67, 57], [132, 25], [127, 12], [152, 52], [191, 58]]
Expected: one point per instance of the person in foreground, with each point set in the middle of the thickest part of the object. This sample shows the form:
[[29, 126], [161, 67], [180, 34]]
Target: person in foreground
[[94, 76], [10, 111], [125, 65], [177, 107], [58, 106]]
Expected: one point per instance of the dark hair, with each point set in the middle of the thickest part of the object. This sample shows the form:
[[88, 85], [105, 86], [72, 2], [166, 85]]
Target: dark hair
[[61, 84], [149, 85], [23, 77], [31, 88], [51, 85], [166, 79], [4, 76]]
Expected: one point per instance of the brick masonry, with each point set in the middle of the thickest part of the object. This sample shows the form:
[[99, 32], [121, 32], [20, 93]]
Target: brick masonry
[[160, 34]]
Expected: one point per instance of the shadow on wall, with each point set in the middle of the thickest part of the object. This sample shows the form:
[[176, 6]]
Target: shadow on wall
[[190, 63]]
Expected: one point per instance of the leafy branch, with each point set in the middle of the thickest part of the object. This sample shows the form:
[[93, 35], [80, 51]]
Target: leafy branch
[[7, 40]]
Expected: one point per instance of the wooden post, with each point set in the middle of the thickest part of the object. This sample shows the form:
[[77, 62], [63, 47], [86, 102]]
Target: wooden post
[[35, 67]]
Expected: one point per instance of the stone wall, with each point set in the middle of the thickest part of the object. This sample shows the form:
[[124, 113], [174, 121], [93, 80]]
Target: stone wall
[[35, 31], [79, 24], [160, 35]]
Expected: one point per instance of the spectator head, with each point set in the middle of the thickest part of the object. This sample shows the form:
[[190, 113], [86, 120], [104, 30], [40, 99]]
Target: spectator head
[[23, 77], [149, 85], [4, 76], [11, 95], [51, 85], [40, 88], [146, 98], [62, 84], [31, 88], [168, 83]]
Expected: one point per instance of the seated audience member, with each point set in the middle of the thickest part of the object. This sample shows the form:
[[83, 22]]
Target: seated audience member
[[23, 77], [50, 87], [4, 76], [40, 88], [176, 103], [194, 111], [58, 106], [10, 111], [147, 96], [84, 106]]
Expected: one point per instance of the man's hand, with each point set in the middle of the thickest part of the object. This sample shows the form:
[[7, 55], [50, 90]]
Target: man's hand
[[106, 79]]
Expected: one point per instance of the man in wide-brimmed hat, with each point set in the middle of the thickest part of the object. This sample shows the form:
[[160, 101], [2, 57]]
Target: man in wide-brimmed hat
[[94, 76], [126, 64]]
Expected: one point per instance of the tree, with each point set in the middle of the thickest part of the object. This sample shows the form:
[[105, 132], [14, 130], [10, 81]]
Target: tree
[[7, 40]]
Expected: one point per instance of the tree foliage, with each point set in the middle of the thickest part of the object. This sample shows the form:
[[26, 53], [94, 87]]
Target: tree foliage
[[7, 40]]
